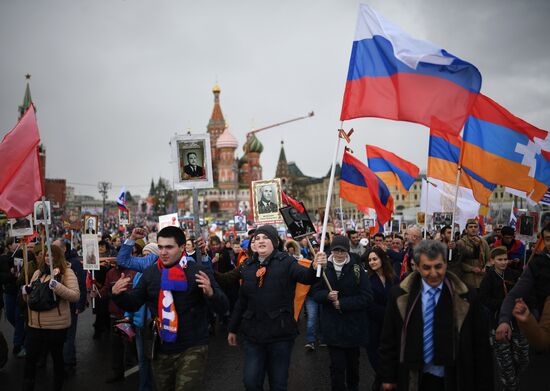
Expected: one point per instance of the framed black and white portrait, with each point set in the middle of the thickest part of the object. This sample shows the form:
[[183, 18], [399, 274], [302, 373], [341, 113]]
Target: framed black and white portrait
[[267, 201], [90, 252], [91, 224], [21, 226], [526, 225], [42, 215], [240, 223], [299, 224], [192, 161], [123, 217]]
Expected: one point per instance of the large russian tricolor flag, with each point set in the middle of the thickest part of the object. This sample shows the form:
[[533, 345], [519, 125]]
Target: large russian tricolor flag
[[360, 186], [443, 161], [395, 76], [506, 150], [392, 169]]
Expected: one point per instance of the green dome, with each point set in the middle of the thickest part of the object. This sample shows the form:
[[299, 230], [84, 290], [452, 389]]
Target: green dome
[[254, 145], [243, 160]]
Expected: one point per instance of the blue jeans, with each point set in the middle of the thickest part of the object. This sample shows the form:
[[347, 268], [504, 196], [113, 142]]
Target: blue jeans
[[312, 308], [273, 358], [69, 349], [145, 371], [16, 319]]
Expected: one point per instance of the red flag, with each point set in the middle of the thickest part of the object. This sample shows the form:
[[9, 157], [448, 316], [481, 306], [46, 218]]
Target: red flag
[[292, 202], [20, 181]]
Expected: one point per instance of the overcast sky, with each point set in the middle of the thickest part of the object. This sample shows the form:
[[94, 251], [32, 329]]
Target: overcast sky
[[114, 80]]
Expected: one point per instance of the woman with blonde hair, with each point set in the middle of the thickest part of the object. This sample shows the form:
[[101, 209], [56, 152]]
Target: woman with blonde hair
[[48, 299]]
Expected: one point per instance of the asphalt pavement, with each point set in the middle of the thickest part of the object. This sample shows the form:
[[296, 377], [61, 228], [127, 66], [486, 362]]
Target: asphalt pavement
[[308, 371]]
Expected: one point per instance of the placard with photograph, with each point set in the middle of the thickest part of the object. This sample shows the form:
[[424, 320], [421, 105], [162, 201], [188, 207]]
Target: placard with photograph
[[298, 224], [123, 217], [42, 216], [91, 224], [168, 220], [21, 226], [90, 252], [395, 225], [442, 218], [240, 223], [368, 223], [544, 219], [420, 218], [192, 161], [526, 224], [267, 201]]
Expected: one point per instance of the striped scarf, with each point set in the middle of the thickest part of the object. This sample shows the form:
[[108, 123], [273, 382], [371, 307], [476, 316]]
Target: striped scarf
[[171, 279]]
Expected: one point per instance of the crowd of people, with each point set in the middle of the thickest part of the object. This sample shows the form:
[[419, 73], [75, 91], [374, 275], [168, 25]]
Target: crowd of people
[[432, 311]]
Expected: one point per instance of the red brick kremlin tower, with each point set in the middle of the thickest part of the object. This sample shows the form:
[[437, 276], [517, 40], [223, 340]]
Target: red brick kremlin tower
[[215, 128]]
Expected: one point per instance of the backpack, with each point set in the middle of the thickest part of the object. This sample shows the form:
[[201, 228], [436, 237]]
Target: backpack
[[41, 297]]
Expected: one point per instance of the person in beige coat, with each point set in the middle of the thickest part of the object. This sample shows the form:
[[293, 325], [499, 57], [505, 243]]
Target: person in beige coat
[[46, 329], [473, 254]]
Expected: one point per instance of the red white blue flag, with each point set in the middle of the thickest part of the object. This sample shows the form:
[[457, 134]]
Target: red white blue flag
[[395, 76], [121, 201]]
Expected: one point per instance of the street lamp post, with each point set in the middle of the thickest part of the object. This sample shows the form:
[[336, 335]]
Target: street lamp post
[[103, 188]]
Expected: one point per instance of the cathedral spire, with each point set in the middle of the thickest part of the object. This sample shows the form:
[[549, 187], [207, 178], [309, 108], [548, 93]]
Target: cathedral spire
[[27, 99], [282, 164]]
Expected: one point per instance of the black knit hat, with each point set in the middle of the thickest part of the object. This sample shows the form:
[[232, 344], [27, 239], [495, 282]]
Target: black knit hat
[[340, 242], [270, 232]]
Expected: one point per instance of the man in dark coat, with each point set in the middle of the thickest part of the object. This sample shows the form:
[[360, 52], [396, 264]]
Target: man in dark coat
[[266, 204], [192, 169], [435, 334], [186, 289]]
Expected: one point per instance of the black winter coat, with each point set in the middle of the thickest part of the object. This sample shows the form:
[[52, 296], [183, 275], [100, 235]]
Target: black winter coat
[[493, 289], [377, 308], [348, 327], [191, 305], [461, 337], [266, 314]]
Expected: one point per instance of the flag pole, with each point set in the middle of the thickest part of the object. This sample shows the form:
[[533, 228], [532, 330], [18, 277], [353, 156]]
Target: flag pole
[[342, 217], [459, 172], [26, 272], [426, 209], [47, 217], [329, 198]]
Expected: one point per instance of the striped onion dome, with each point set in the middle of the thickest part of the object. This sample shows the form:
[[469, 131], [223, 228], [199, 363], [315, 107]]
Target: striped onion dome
[[254, 145], [227, 140]]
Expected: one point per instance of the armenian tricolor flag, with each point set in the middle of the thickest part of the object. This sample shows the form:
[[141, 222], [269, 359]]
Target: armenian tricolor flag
[[392, 169], [506, 150], [360, 186], [443, 161]]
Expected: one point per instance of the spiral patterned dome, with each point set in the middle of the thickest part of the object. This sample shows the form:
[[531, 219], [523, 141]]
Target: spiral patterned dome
[[254, 145]]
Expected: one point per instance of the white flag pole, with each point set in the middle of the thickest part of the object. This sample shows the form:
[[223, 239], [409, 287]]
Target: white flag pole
[[342, 217], [426, 209], [47, 226], [329, 198], [454, 209]]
